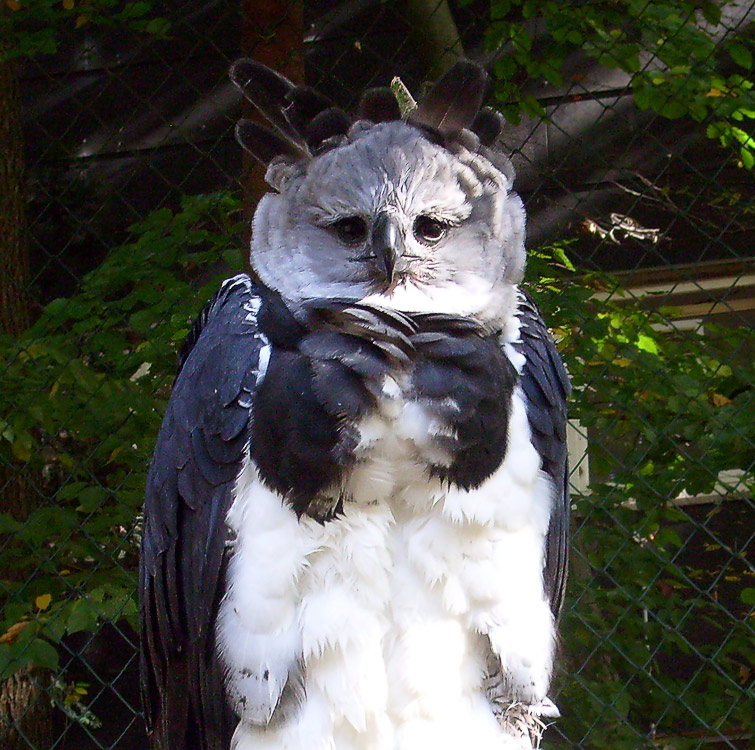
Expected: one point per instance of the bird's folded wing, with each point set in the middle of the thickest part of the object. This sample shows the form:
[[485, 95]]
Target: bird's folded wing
[[198, 455], [545, 383]]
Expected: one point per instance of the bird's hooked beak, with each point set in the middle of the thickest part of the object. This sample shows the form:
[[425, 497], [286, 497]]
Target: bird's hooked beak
[[387, 244]]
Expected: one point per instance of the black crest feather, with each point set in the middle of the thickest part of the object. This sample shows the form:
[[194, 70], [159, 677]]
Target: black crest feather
[[303, 105], [329, 123], [378, 105], [488, 125], [303, 122], [268, 91], [454, 101], [264, 145]]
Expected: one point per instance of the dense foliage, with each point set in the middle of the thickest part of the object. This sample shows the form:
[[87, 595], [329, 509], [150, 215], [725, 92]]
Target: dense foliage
[[32, 27], [683, 62], [83, 396], [650, 649]]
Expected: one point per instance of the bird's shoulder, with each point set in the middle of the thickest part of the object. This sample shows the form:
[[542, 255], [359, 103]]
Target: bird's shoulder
[[544, 378]]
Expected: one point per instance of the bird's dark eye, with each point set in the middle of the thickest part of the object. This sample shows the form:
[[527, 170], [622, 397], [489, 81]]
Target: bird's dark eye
[[427, 229], [351, 230]]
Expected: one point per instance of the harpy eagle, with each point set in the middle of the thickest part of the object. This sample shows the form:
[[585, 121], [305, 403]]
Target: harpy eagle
[[356, 518]]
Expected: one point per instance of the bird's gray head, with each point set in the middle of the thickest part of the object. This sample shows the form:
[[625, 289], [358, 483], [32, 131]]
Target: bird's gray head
[[417, 215]]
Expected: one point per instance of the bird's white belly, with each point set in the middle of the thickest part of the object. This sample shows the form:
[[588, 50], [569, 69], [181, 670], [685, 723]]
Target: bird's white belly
[[392, 605]]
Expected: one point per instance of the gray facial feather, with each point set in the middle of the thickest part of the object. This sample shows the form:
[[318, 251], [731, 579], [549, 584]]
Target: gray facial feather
[[391, 168]]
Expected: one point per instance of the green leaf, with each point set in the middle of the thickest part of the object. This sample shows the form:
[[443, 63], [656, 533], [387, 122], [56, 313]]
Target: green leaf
[[668, 538], [560, 255], [91, 499], [552, 74], [717, 130], [532, 106], [512, 113], [57, 308], [233, 257], [740, 54], [711, 13], [158, 27], [506, 67], [530, 8], [521, 39], [641, 98], [9, 525], [42, 654], [748, 158], [499, 9], [82, 616], [647, 344], [135, 10], [8, 661], [742, 136], [672, 109], [22, 446]]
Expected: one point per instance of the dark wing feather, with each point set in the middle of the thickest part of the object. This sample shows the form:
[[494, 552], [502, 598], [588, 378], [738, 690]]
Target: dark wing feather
[[545, 383], [197, 458]]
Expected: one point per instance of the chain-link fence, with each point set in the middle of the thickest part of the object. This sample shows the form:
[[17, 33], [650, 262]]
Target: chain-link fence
[[631, 127]]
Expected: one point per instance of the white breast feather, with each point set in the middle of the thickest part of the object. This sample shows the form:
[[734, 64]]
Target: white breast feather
[[392, 604], [257, 626]]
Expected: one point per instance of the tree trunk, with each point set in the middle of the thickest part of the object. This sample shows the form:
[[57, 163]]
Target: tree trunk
[[14, 256], [25, 710]]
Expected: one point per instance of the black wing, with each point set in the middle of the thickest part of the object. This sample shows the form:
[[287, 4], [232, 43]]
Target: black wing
[[198, 455], [546, 387]]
